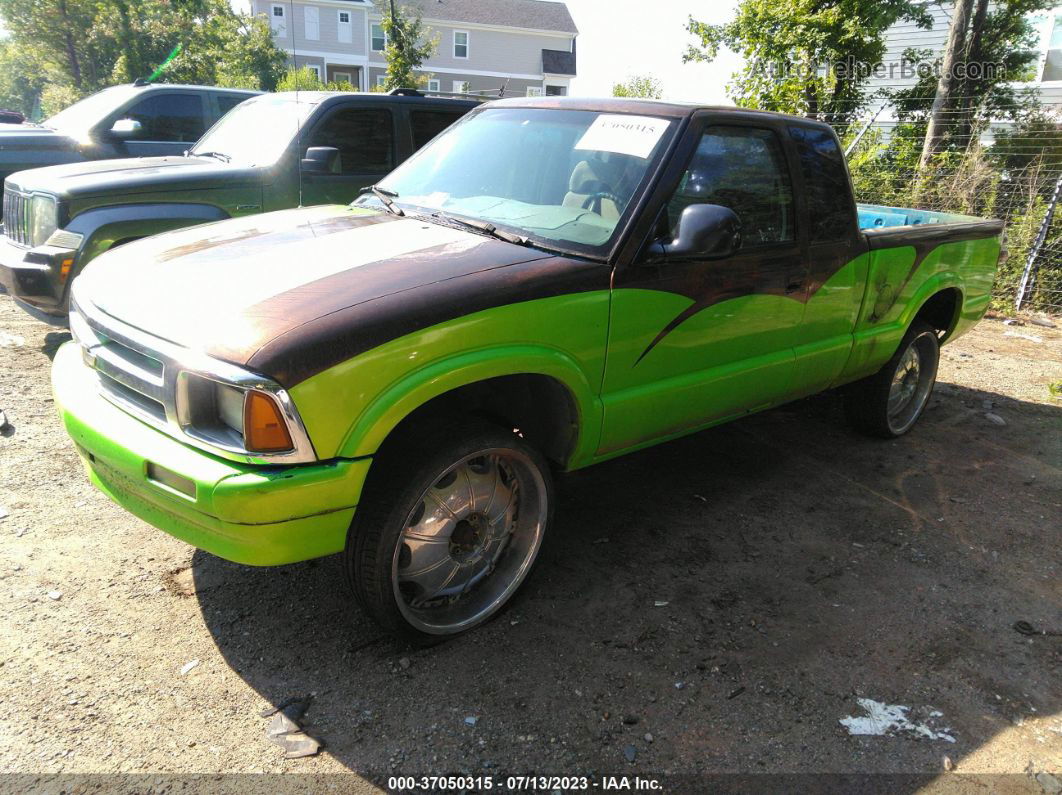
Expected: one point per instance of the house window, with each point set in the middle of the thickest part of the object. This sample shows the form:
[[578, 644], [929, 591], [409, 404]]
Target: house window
[[276, 20], [311, 20], [460, 87], [556, 91], [534, 91], [315, 69], [1053, 62], [379, 40], [342, 77], [381, 81], [460, 44], [434, 85], [343, 31]]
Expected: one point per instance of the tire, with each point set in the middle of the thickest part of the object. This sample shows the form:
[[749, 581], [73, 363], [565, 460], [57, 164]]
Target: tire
[[450, 524], [889, 403]]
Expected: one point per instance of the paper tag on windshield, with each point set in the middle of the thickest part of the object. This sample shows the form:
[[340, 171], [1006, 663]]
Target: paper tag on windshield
[[624, 135]]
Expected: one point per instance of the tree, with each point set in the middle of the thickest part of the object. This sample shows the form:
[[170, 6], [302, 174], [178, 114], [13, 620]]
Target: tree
[[990, 49], [406, 47], [644, 86], [306, 79], [811, 57], [61, 50]]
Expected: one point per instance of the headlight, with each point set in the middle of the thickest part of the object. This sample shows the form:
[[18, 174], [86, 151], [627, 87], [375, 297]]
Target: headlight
[[231, 416], [44, 219]]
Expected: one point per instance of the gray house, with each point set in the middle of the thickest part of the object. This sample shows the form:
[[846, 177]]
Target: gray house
[[507, 47]]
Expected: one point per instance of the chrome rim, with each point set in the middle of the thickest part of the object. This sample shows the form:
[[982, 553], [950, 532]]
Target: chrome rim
[[469, 541], [911, 384]]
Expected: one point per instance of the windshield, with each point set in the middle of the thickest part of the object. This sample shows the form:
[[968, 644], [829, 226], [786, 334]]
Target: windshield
[[91, 110], [563, 178], [255, 132]]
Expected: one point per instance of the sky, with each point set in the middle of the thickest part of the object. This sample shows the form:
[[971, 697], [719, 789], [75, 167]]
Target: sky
[[621, 38]]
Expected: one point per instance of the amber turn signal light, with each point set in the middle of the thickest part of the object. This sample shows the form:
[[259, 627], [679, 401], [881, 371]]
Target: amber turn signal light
[[264, 429]]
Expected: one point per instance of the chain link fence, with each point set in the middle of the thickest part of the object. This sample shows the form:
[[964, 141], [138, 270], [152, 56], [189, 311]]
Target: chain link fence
[[1011, 172]]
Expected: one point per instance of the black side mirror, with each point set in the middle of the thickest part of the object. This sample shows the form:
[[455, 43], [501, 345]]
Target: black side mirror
[[705, 231], [321, 160]]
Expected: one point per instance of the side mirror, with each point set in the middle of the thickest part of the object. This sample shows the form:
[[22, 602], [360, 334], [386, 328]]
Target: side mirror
[[705, 231], [126, 128], [321, 160]]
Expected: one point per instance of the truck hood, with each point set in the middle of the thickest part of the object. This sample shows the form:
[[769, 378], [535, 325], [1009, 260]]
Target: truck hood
[[229, 288], [132, 175], [24, 135]]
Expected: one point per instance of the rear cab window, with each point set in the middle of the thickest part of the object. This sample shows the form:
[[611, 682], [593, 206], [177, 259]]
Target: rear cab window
[[831, 209]]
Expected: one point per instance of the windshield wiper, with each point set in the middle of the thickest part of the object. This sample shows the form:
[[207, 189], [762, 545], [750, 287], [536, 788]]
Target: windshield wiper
[[224, 158], [486, 227], [386, 196]]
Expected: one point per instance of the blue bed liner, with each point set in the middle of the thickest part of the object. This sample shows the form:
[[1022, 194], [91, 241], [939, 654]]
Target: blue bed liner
[[873, 216]]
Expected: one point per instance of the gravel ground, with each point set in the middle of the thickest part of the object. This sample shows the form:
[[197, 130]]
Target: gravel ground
[[716, 604]]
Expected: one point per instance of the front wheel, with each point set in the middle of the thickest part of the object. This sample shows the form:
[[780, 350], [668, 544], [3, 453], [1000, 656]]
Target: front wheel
[[449, 528], [889, 403]]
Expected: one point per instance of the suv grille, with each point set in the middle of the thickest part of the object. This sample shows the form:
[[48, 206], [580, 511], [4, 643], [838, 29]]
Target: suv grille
[[17, 220]]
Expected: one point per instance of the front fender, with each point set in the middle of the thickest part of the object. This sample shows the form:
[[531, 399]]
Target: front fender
[[105, 226], [403, 397]]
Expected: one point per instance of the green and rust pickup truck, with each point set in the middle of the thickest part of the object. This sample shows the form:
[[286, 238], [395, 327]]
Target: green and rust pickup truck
[[550, 283]]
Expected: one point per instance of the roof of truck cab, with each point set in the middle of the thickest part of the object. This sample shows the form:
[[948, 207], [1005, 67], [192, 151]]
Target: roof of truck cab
[[649, 107], [316, 97]]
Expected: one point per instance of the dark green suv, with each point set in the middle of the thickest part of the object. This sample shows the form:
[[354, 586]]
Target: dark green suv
[[272, 152]]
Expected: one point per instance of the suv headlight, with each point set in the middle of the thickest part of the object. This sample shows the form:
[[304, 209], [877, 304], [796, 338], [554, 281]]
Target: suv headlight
[[44, 218], [234, 417]]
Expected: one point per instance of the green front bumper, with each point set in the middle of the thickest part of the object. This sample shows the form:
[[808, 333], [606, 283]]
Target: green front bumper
[[257, 515]]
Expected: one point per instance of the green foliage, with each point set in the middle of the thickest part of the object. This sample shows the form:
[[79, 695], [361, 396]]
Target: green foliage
[[61, 50], [644, 86], [406, 48], [807, 57], [1055, 389], [1006, 42], [306, 79]]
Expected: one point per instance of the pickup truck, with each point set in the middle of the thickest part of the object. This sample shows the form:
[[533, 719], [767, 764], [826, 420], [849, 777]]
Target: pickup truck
[[271, 152], [549, 284], [135, 120]]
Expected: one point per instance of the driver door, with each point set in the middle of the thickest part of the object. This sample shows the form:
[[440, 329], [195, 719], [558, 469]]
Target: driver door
[[699, 340]]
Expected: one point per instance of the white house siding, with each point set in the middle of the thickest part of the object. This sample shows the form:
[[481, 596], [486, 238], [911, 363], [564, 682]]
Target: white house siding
[[493, 50], [487, 85]]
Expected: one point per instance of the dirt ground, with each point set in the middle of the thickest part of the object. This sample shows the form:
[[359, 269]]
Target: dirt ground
[[717, 604]]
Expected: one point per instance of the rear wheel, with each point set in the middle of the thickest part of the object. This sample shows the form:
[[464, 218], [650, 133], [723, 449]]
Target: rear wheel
[[448, 529], [889, 403]]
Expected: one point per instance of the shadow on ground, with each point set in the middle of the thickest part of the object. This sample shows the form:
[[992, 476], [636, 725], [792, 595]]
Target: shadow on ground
[[717, 603]]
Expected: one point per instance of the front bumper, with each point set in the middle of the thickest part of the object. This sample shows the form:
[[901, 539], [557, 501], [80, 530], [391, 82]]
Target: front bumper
[[37, 276], [256, 515]]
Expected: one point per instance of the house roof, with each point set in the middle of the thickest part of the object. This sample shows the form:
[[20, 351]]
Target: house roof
[[534, 14]]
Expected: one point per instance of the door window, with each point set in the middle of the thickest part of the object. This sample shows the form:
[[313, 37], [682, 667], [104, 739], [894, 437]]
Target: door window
[[429, 123], [831, 210], [743, 169], [169, 117], [227, 102], [363, 137]]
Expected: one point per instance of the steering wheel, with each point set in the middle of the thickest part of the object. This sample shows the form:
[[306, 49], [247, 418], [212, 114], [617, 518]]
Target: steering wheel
[[593, 201]]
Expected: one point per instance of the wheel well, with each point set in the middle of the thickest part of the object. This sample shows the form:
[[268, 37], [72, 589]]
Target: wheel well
[[123, 241], [941, 311], [540, 407]]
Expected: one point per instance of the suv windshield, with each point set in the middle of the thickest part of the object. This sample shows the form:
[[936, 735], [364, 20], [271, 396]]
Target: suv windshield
[[563, 178], [91, 110], [256, 132]]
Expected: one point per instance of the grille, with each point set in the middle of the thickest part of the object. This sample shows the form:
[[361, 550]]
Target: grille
[[17, 221]]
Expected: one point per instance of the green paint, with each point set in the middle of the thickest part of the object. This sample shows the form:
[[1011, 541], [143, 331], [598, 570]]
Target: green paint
[[240, 512], [731, 359]]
